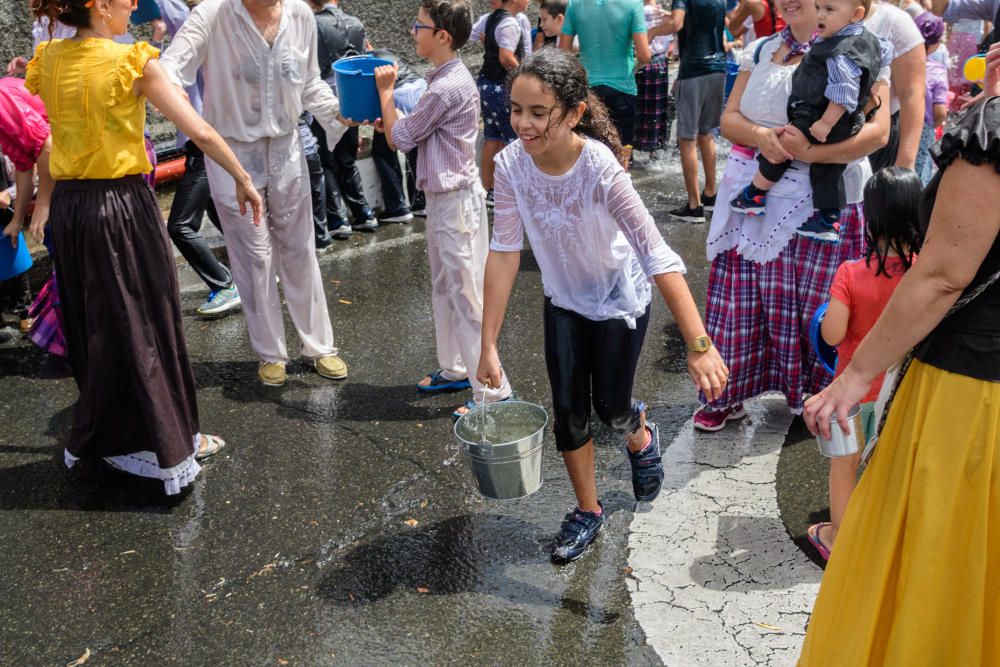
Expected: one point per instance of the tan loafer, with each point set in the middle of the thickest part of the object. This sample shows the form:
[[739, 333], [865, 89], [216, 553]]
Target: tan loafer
[[332, 367], [272, 374]]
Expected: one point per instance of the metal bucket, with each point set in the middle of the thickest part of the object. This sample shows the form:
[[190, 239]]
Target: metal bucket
[[508, 463], [841, 444]]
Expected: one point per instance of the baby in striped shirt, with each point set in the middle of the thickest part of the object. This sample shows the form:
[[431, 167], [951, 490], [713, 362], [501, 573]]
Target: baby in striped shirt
[[831, 89]]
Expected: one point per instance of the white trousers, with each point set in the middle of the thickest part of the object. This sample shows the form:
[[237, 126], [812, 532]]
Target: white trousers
[[283, 245], [457, 246]]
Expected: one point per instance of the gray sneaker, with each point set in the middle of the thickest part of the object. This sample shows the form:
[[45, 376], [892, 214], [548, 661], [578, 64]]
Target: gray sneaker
[[220, 302]]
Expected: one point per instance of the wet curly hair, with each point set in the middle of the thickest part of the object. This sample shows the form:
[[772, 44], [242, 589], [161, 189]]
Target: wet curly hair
[[561, 74], [73, 13]]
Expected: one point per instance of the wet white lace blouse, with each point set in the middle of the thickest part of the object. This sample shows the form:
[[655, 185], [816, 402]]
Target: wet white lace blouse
[[595, 243]]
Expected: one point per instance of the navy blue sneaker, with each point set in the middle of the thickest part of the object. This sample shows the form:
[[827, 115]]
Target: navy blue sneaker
[[820, 229], [647, 467], [577, 532], [747, 204], [339, 230]]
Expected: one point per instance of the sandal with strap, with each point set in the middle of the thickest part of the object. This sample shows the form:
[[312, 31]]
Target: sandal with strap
[[440, 383], [812, 534], [209, 446]]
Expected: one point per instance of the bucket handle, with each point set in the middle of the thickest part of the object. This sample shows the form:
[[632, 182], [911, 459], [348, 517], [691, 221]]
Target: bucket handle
[[485, 445]]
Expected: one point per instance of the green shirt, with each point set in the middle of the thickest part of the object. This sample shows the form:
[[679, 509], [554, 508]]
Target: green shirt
[[605, 29]]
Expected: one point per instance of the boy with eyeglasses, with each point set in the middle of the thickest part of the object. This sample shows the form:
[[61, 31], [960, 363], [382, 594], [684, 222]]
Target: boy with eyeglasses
[[444, 125]]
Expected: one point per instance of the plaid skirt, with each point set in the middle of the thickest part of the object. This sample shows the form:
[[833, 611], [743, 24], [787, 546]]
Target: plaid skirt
[[654, 109], [758, 314]]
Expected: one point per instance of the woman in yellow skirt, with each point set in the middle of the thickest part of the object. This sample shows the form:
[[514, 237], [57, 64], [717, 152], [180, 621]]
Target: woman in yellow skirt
[[915, 578]]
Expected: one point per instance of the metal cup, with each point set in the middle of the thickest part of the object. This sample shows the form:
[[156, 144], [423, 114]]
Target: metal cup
[[839, 443]]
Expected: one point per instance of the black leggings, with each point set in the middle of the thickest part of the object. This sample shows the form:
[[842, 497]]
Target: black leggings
[[586, 357]]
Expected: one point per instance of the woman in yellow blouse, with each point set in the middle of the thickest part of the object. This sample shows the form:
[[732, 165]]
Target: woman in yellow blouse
[[117, 278]]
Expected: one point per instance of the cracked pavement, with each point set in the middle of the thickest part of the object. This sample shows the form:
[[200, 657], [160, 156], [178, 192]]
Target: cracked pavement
[[340, 525], [716, 579]]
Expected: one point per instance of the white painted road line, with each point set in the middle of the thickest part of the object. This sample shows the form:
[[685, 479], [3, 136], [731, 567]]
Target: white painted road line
[[716, 579]]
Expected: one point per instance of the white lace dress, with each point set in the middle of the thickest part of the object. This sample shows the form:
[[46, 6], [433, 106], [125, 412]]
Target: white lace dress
[[594, 241]]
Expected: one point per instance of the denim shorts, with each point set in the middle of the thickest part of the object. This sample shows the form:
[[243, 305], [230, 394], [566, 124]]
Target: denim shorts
[[495, 105]]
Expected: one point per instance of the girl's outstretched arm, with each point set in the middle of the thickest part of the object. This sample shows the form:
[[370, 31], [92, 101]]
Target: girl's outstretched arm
[[501, 270], [707, 369]]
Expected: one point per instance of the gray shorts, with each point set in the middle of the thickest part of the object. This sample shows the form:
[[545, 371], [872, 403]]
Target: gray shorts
[[699, 104]]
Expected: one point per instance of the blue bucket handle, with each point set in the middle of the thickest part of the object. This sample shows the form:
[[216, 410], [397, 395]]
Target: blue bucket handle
[[827, 354]]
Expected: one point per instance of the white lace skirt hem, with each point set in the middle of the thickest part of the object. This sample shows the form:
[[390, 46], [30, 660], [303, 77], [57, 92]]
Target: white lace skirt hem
[[758, 238], [144, 464]]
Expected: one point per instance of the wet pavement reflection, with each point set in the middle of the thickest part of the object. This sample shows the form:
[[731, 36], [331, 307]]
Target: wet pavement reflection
[[340, 525]]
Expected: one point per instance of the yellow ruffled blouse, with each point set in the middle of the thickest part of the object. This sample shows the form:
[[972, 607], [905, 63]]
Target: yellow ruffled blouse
[[97, 122]]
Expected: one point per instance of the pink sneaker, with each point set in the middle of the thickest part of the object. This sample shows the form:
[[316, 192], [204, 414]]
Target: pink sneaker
[[707, 419]]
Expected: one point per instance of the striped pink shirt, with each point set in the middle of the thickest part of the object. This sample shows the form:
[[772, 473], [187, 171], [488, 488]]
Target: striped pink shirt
[[444, 124]]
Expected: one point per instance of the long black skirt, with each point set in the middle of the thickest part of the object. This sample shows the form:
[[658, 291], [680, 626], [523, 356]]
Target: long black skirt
[[118, 284]]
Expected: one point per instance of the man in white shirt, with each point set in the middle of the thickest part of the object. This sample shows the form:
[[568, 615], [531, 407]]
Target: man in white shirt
[[259, 57]]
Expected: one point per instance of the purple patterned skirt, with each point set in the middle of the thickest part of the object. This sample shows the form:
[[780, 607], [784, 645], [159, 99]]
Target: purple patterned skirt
[[47, 321]]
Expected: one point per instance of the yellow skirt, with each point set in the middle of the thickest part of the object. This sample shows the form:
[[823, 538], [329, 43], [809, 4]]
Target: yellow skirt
[[915, 575]]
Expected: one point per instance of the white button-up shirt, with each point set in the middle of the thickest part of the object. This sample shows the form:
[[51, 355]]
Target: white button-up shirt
[[252, 90]]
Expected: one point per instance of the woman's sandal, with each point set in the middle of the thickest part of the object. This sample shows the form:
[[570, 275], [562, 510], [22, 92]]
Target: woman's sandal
[[812, 534], [209, 446]]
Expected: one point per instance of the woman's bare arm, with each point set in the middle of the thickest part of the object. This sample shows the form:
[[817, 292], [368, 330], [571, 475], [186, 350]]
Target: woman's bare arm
[[958, 239], [740, 130]]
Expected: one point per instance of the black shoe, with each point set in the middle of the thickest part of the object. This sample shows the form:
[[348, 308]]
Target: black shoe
[[6, 334], [647, 467], [419, 206], [489, 198], [367, 225], [689, 214], [576, 533], [340, 230], [708, 202]]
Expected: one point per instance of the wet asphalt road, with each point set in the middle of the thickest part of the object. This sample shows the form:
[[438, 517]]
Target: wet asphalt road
[[340, 525]]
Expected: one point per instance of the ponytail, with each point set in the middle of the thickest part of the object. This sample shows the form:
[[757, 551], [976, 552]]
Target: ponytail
[[561, 73]]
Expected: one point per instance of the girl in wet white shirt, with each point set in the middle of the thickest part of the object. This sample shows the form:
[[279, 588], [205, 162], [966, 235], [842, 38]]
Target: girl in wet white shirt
[[598, 251]]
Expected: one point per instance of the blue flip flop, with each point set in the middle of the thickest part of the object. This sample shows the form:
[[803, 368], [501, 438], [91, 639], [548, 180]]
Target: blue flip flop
[[441, 383]]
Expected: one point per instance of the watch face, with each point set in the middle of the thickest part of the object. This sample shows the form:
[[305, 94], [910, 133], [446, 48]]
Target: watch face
[[701, 344]]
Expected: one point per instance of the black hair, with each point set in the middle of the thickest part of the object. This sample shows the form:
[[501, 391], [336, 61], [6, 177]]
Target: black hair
[[892, 198], [561, 73], [555, 8], [452, 16], [73, 13]]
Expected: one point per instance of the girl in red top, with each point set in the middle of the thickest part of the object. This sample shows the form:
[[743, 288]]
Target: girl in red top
[[860, 290]]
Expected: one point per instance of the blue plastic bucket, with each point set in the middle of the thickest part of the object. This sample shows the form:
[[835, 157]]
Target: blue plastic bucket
[[355, 78], [827, 354], [13, 261]]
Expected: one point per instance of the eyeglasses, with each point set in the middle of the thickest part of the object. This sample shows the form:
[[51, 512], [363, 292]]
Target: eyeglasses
[[417, 27]]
